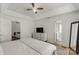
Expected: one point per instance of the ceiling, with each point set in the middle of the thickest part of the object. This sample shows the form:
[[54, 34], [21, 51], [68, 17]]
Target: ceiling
[[21, 8]]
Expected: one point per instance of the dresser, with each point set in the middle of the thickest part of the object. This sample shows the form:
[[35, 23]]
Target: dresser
[[40, 36]]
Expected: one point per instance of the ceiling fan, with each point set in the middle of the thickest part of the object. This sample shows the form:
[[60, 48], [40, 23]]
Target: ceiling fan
[[34, 8]]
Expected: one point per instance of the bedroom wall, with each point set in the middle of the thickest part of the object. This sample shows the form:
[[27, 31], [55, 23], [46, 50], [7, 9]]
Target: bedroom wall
[[49, 26], [6, 23], [0, 28]]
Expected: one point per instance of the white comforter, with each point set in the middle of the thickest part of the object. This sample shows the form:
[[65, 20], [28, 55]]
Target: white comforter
[[27, 46], [16, 48], [41, 47]]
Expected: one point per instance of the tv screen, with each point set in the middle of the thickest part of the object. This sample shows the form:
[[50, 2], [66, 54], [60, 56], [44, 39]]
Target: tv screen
[[39, 30]]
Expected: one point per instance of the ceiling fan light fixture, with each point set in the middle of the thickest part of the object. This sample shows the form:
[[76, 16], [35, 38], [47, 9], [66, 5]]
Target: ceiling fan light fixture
[[34, 10]]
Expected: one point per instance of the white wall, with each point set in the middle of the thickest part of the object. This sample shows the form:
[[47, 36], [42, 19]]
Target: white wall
[[5, 30], [0, 29], [49, 26], [6, 23]]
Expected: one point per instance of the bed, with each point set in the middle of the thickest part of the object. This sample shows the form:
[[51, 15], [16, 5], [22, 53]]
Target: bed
[[41, 47], [16, 48], [27, 46]]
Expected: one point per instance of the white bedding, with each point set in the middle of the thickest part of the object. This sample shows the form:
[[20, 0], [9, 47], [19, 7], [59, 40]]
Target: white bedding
[[27, 46], [41, 47], [16, 48]]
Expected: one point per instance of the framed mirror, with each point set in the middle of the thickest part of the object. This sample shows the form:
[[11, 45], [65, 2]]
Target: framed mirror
[[74, 32]]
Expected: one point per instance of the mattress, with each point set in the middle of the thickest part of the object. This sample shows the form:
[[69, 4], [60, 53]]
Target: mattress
[[41, 47], [16, 48]]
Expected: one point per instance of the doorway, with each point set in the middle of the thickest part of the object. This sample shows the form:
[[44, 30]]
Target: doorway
[[15, 30], [58, 32]]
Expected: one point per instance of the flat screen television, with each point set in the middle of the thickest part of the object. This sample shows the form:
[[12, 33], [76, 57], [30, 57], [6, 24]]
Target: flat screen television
[[39, 30]]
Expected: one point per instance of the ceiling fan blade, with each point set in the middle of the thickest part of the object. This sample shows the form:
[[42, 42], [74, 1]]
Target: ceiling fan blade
[[33, 5], [40, 8], [28, 9]]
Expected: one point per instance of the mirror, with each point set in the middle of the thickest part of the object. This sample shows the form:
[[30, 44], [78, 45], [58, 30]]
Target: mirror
[[15, 30], [73, 36]]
